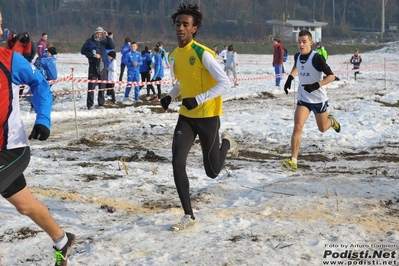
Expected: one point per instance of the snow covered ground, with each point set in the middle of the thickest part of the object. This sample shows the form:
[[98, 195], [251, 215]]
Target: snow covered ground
[[341, 205]]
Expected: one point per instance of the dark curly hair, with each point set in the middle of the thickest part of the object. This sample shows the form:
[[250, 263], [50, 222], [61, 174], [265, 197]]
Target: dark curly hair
[[192, 10]]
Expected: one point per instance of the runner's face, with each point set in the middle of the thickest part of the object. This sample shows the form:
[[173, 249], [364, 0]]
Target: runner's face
[[184, 28], [304, 44]]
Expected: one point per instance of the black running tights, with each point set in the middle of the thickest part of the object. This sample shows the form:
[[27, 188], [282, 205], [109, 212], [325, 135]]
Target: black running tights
[[214, 157]]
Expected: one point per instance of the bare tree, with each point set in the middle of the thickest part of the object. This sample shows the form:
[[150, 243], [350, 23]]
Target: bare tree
[[343, 18]]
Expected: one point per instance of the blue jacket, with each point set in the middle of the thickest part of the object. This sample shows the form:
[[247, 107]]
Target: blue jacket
[[132, 57], [125, 49], [147, 61], [163, 55], [158, 67], [48, 67], [93, 46]]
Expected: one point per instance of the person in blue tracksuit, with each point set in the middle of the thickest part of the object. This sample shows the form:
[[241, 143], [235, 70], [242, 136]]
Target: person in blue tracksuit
[[133, 62], [163, 54], [145, 70], [125, 49], [48, 65], [159, 70]]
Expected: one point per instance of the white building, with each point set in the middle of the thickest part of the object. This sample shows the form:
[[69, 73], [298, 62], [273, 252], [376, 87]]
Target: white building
[[288, 30]]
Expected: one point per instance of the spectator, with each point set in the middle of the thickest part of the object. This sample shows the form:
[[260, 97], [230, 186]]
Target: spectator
[[321, 51], [158, 71], [21, 44], [108, 62], [223, 54], [145, 71], [285, 57], [95, 51], [44, 54], [9, 42], [133, 63], [278, 58], [111, 35], [163, 54], [215, 49], [124, 50], [48, 64], [231, 63], [30, 56], [6, 33], [42, 45], [112, 75], [15, 151]]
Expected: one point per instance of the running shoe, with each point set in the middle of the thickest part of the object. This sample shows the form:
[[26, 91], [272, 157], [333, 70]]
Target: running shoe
[[233, 144], [61, 256], [289, 164], [336, 126], [185, 222]]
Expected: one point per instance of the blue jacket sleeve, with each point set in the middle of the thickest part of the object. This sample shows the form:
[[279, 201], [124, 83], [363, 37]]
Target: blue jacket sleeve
[[157, 64], [128, 60], [42, 100], [165, 56], [87, 50]]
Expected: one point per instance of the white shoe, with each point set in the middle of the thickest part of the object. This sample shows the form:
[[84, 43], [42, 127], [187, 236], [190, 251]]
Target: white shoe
[[126, 99], [233, 144], [185, 222], [138, 101]]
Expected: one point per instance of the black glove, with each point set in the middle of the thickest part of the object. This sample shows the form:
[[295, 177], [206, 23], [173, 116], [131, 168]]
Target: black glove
[[190, 103], [311, 87], [287, 84], [165, 101], [39, 132]]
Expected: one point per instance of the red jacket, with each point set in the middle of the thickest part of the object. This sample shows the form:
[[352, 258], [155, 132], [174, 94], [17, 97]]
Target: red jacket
[[278, 54], [22, 49]]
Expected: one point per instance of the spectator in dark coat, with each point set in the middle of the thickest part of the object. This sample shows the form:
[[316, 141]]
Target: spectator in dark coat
[[95, 49]]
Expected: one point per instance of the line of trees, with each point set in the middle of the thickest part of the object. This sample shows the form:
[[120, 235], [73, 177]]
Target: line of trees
[[223, 19]]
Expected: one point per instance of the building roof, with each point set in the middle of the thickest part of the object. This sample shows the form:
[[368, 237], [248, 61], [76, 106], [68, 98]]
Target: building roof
[[297, 23]]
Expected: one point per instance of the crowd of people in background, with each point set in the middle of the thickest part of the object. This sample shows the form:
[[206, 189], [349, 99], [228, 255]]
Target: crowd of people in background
[[140, 67], [145, 66]]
